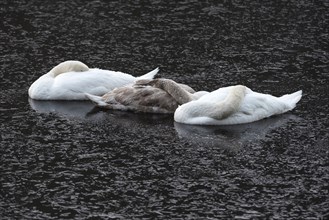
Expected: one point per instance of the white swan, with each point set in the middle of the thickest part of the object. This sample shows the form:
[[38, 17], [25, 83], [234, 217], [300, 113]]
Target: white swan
[[234, 105], [70, 80], [152, 96]]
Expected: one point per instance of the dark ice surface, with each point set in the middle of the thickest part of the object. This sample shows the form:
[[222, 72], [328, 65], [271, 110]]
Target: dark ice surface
[[70, 160]]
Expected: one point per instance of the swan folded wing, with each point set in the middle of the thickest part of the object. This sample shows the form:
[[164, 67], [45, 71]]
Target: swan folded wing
[[110, 79], [140, 99], [87, 82], [257, 106], [95, 87]]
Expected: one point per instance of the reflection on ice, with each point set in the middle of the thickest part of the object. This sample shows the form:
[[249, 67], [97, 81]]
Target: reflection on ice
[[78, 109], [229, 136], [87, 110], [232, 137]]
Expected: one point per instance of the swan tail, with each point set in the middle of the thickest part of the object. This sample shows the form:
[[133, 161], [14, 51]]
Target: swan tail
[[149, 75], [291, 99], [96, 99]]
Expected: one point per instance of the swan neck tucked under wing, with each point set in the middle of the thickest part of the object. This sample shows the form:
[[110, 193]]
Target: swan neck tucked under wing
[[68, 66], [175, 90], [230, 104], [213, 110]]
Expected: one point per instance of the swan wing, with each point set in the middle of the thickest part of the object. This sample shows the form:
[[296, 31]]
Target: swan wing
[[257, 106], [73, 85]]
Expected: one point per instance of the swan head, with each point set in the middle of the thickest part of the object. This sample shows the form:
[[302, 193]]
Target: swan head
[[69, 66]]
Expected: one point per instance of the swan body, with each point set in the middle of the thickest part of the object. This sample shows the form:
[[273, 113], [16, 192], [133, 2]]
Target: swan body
[[70, 80], [152, 96], [234, 105]]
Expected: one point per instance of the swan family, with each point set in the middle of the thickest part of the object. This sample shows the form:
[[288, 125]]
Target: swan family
[[73, 80]]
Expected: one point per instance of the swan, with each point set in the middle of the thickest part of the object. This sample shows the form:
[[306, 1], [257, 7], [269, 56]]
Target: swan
[[234, 105], [70, 80], [152, 96]]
